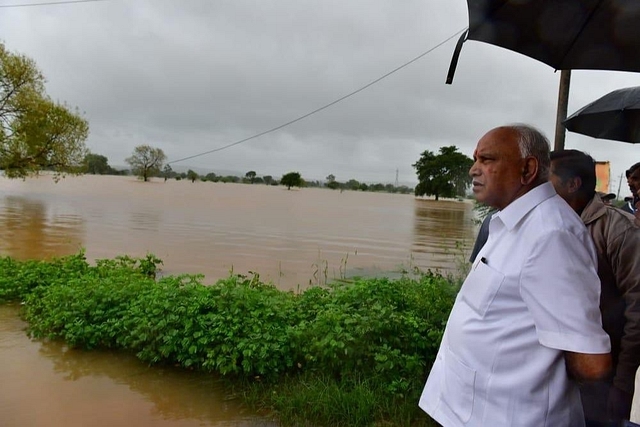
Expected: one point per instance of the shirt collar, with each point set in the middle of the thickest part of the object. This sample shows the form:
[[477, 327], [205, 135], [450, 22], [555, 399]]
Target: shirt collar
[[593, 210], [516, 210]]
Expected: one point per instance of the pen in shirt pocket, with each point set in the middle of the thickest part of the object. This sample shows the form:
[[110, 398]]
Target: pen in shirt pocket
[[479, 261]]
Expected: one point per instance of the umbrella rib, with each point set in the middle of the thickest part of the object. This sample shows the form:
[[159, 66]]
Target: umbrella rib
[[463, 38], [575, 38]]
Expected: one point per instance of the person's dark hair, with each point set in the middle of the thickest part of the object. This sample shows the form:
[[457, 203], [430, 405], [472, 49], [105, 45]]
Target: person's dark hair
[[533, 143], [632, 169], [573, 163]]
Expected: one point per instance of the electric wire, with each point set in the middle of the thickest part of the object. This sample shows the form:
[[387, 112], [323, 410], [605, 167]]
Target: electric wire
[[290, 122], [50, 3], [324, 107]]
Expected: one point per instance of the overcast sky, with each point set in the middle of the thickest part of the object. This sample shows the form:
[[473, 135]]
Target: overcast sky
[[189, 76]]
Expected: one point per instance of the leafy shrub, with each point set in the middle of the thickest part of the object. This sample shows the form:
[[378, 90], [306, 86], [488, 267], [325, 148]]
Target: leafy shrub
[[389, 330], [334, 337], [84, 306], [18, 279]]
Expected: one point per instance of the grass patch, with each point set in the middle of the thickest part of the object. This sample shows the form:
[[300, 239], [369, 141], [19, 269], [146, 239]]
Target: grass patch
[[314, 399]]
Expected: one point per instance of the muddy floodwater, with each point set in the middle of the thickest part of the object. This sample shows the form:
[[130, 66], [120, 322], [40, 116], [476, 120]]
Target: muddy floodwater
[[213, 228], [292, 238], [49, 385]]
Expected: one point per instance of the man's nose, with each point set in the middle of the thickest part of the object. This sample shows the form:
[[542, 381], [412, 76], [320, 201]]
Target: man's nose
[[474, 170]]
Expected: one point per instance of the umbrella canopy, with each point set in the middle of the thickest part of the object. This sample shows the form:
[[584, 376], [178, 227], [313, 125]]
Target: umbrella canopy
[[614, 116], [564, 34]]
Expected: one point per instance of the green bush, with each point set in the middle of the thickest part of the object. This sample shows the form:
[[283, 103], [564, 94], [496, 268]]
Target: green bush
[[385, 329], [363, 345], [18, 279]]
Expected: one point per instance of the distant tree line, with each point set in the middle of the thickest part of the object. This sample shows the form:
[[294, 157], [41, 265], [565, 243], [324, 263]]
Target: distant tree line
[[445, 174], [147, 163], [355, 185]]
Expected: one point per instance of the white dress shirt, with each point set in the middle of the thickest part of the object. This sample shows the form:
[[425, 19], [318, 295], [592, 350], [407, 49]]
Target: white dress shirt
[[533, 293], [635, 405]]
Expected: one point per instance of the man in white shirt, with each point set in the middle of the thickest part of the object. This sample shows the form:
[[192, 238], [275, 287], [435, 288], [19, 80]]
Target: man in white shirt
[[526, 321]]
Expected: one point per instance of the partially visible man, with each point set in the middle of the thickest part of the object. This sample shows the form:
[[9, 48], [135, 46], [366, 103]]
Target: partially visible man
[[617, 240], [607, 198], [526, 320], [633, 180], [628, 205]]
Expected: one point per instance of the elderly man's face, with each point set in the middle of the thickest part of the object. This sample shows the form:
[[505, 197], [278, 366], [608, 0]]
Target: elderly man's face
[[497, 169]]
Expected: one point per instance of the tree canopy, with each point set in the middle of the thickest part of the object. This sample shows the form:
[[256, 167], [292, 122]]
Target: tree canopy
[[443, 175], [167, 172], [291, 179], [35, 132], [146, 161], [192, 175], [251, 175], [331, 182], [97, 164]]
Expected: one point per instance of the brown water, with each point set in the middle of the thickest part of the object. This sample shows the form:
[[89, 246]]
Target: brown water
[[292, 238], [49, 385], [288, 237]]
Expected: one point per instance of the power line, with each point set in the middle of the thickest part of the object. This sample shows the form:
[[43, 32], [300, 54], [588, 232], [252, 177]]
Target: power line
[[324, 107], [51, 3]]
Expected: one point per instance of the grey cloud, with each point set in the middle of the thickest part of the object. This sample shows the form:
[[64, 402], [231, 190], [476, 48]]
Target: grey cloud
[[192, 76]]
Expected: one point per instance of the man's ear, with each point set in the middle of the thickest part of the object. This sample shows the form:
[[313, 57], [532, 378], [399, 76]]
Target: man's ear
[[529, 171], [574, 184]]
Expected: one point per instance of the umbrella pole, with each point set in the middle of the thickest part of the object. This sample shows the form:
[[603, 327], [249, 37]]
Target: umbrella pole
[[563, 101]]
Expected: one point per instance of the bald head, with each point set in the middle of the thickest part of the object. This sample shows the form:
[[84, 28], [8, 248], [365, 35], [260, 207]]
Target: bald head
[[508, 162]]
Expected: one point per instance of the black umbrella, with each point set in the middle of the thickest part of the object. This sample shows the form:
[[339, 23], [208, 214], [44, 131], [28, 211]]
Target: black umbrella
[[614, 116], [564, 34]]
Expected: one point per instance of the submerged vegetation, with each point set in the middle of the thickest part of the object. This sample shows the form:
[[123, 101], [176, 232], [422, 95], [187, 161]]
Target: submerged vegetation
[[352, 354]]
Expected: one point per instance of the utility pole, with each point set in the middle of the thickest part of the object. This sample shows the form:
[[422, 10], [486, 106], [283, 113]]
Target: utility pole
[[396, 184], [563, 101], [619, 185]]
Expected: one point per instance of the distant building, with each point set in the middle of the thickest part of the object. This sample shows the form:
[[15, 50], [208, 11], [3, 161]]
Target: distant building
[[603, 175]]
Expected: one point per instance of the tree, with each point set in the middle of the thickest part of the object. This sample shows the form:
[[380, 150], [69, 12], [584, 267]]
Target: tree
[[268, 179], [35, 132], [146, 161], [96, 164], [230, 178], [192, 175], [291, 179], [251, 175], [331, 182], [443, 175], [352, 184], [167, 172]]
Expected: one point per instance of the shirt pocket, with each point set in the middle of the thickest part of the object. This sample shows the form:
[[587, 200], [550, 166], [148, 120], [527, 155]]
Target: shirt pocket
[[480, 287], [459, 385]]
